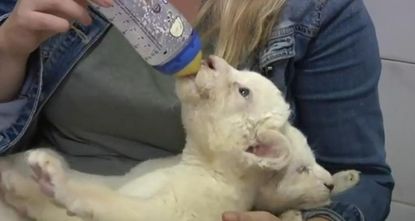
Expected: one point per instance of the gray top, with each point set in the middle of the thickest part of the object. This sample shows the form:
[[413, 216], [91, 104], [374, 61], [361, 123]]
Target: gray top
[[114, 111]]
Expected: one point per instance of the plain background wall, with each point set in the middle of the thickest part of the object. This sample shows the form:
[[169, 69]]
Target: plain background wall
[[395, 25]]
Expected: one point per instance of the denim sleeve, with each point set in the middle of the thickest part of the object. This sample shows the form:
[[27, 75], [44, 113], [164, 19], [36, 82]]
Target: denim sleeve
[[9, 110], [337, 106], [18, 115]]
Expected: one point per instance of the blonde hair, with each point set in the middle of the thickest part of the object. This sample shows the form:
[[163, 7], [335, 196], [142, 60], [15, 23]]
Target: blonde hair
[[237, 27]]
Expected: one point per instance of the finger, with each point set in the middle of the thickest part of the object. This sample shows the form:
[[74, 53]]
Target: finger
[[249, 216], [104, 3], [68, 9], [82, 3], [46, 22]]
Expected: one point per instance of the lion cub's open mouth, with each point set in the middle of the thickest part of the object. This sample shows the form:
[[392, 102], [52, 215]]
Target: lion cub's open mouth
[[206, 64]]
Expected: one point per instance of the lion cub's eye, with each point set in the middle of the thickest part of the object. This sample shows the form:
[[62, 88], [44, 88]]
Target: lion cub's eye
[[303, 169], [244, 91]]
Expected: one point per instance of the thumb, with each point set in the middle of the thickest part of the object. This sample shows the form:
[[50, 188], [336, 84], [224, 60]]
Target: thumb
[[249, 216]]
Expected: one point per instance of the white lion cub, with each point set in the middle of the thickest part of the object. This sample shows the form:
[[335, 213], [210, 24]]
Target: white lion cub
[[234, 123], [240, 152]]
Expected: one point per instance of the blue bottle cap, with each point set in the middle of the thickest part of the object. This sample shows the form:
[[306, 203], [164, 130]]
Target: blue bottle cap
[[185, 57]]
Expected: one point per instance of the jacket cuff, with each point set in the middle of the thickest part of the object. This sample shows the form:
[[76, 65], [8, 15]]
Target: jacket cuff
[[18, 116], [337, 211], [4, 17], [9, 110]]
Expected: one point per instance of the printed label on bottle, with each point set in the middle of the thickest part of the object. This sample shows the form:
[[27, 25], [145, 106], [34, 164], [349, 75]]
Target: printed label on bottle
[[154, 28]]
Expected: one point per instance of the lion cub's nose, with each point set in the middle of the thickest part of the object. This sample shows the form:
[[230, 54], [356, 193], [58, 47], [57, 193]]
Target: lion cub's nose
[[210, 62], [329, 186], [216, 64]]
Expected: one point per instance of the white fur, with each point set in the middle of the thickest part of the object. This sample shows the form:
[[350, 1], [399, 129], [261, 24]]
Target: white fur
[[295, 188], [236, 155], [8, 214]]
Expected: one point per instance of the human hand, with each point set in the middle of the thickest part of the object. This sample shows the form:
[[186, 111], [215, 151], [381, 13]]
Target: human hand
[[33, 21], [249, 216]]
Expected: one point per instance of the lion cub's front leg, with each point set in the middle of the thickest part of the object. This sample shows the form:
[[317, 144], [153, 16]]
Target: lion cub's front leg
[[86, 200], [23, 194], [345, 180]]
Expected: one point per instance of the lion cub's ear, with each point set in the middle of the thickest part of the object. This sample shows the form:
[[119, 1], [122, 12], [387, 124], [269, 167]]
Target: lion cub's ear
[[272, 148]]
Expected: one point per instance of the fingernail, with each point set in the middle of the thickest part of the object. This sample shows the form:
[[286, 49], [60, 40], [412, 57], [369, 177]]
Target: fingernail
[[230, 216]]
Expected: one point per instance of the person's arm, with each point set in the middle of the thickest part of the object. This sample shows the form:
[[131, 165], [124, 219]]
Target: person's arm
[[29, 24], [337, 107], [12, 72], [24, 25]]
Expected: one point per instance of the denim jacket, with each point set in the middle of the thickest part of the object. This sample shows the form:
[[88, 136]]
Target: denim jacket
[[323, 54]]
